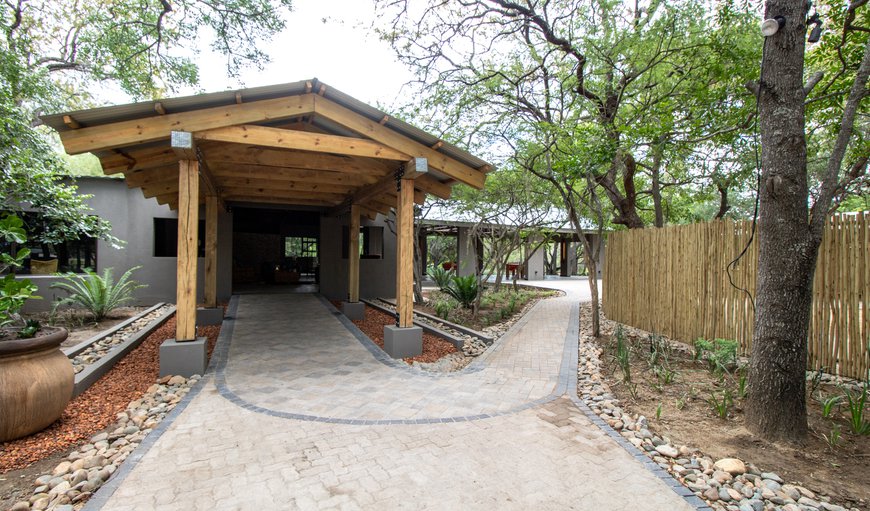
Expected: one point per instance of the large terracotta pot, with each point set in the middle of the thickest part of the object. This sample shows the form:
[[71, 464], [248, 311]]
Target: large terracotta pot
[[36, 383]]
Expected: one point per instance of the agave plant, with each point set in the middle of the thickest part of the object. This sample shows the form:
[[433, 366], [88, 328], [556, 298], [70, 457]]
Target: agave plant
[[464, 290], [98, 294]]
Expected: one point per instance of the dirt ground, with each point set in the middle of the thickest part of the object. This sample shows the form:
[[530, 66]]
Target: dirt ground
[[687, 417], [81, 325]]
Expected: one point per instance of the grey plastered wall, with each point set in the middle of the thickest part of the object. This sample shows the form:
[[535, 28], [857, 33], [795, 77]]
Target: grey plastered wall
[[535, 264], [132, 218], [377, 277], [466, 252]]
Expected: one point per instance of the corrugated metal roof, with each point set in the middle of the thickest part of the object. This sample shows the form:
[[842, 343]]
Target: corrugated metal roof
[[118, 113]]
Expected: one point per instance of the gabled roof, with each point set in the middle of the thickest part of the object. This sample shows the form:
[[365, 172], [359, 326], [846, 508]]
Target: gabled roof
[[297, 143]]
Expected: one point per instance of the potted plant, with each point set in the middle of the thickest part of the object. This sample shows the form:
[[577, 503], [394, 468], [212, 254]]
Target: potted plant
[[36, 378]]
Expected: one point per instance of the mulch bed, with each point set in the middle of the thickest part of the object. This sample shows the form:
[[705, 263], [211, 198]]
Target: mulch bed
[[96, 408], [373, 325]]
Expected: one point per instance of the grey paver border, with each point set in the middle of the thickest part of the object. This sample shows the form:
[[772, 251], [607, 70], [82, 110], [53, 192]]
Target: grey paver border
[[221, 356], [105, 492], [639, 456]]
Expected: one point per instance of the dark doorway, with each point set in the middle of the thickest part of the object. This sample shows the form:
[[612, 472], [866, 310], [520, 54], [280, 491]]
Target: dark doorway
[[275, 247]]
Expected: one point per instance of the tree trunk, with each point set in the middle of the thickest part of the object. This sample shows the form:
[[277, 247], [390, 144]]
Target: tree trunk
[[776, 408], [592, 266], [724, 207], [657, 184]]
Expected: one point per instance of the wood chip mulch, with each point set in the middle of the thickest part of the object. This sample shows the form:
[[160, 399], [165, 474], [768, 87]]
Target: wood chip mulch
[[96, 408], [373, 325]]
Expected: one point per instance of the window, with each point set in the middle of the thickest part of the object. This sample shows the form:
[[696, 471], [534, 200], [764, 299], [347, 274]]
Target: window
[[45, 258], [300, 247], [371, 242], [166, 238]]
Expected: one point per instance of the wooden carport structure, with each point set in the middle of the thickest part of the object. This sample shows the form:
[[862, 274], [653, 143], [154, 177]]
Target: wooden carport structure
[[300, 143]]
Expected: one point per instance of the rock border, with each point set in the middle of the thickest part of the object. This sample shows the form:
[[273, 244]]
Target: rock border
[[73, 351], [727, 484], [94, 371]]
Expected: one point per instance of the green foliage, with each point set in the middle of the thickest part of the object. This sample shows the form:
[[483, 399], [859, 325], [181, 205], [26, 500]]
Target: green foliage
[[440, 276], [13, 292], [721, 405], [742, 388], [31, 326], [828, 405], [95, 293], [464, 290], [721, 354], [856, 405], [659, 411], [622, 354], [834, 439], [442, 308]]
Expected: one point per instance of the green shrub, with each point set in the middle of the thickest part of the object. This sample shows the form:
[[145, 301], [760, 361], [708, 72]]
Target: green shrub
[[442, 308], [13, 292], [464, 290], [97, 294], [440, 276], [855, 403]]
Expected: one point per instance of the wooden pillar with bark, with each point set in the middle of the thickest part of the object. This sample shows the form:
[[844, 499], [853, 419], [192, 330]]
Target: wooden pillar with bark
[[404, 339], [211, 234], [188, 223]]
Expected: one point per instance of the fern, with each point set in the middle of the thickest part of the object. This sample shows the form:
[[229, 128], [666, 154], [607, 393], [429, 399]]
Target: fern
[[440, 276], [98, 294]]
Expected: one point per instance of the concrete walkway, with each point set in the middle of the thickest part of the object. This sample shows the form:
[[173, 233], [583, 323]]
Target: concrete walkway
[[303, 413]]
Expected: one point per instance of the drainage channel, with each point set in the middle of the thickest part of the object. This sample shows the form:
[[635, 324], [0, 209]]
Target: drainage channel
[[97, 355]]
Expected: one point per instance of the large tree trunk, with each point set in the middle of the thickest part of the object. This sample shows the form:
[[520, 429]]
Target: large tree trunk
[[776, 409], [592, 266]]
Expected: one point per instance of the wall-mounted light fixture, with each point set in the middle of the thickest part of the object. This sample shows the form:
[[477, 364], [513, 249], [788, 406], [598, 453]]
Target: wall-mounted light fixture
[[771, 26]]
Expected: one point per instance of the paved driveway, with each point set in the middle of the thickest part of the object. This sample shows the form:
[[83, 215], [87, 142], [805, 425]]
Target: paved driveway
[[304, 414]]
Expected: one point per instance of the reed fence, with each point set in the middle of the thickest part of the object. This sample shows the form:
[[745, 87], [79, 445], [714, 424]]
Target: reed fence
[[674, 281]]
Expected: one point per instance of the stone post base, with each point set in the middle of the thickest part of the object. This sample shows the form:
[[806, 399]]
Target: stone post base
[[206, 316], [403, 342], [354, 311], [183, 358]]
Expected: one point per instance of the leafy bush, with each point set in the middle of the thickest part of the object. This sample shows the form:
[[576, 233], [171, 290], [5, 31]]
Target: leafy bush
[[441, 276], [13, 292], [442, 308], [464, 290], [721, 354], [99, 295]]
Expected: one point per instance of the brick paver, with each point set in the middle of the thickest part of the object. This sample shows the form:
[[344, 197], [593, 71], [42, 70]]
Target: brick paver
[[500, 435]]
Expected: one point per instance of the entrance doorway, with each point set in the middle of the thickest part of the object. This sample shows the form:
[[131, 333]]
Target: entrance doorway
[[277, 248]]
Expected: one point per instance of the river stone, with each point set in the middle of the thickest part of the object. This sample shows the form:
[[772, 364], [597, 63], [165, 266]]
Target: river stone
[[735, 495], [771, 484], [724, 495], [712, 494], [59, 489], [177, 380], [805, 501], [79, 476], [805, 492], [791, 491], [668, 450], [771, 475], [721, 476], [731, 465], [99, 438], [40, 504], [94, 461], [831, 507], [20, 506], [62, 468]]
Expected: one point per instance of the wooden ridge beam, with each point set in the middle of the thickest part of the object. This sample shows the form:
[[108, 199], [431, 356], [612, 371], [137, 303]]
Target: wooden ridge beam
[[284, 194], [149, 129], [300, 140], [373, 130], [278, 200]]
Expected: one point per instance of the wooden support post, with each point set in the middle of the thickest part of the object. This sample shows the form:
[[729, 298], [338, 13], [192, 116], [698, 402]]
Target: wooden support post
[[353, 255], [405, 254], [188, 223], [211, 228]]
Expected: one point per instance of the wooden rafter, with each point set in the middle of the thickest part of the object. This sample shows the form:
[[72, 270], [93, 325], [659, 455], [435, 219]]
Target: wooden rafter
[[373, 130], [224, 170], [300, 140], [238, 154], [149, 129]]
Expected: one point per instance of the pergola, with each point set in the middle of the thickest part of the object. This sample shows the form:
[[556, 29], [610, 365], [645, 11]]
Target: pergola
[[301, 143]]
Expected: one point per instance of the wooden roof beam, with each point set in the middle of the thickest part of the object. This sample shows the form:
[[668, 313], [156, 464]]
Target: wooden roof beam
[[373, 130], [235, 154], [122, 161], [149, 129], [183, 144], [223, 171], [300, 140]]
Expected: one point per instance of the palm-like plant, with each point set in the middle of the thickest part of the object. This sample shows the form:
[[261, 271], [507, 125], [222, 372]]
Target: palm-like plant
[[98, 294], [464, 290], [441, 276]]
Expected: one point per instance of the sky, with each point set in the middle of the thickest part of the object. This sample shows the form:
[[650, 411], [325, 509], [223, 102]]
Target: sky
[[331, 40]]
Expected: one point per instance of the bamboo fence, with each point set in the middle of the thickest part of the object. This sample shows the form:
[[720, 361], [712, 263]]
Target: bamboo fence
[[674, 281]]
